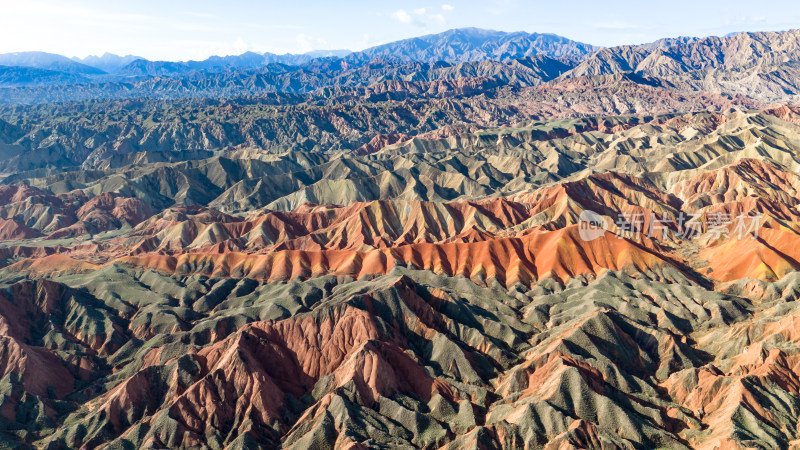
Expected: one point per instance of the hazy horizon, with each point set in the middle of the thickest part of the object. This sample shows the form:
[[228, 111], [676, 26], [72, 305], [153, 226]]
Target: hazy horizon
[[182, 30]]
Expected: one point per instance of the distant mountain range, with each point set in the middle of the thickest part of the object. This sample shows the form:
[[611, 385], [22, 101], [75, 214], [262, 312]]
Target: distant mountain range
[[458, 45], [48, 61], [763, 66], [474, 44], [109, 62], [247, 60]]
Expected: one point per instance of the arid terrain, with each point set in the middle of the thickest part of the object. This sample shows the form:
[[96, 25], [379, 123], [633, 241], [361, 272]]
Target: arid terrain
[[389, 248]]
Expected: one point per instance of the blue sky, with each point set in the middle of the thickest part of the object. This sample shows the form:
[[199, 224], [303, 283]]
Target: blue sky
[[179, 29]]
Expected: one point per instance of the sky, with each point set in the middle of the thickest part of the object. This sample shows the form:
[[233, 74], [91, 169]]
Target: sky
[[180, 30]]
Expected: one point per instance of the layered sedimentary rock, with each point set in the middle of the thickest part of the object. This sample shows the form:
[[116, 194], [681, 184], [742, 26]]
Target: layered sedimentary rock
[[436, 292], [564, 247]]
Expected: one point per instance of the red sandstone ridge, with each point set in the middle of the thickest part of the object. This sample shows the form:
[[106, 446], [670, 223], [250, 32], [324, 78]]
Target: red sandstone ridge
[[788, 113], [770, 256], [11, 230], [130, 210], [559, 254], [612, 195], [747, 177], [360, 226], [68, 215], [378, 142], [252, 373], [16, 194], [28, 366]]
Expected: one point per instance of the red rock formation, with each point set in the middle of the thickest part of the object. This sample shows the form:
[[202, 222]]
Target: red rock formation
[[11, 230]]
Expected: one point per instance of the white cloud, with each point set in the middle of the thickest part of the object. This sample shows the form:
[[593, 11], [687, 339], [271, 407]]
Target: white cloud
[[438, 18], [367, 41], [419, 11], [402, 16], [240, 46], [199, 49], [307, 43], [447, 7]]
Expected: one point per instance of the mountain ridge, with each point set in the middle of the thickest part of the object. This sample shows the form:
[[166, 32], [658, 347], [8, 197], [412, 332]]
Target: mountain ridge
[[766, 69], [472, 41], [47, 61], [545, 251]]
